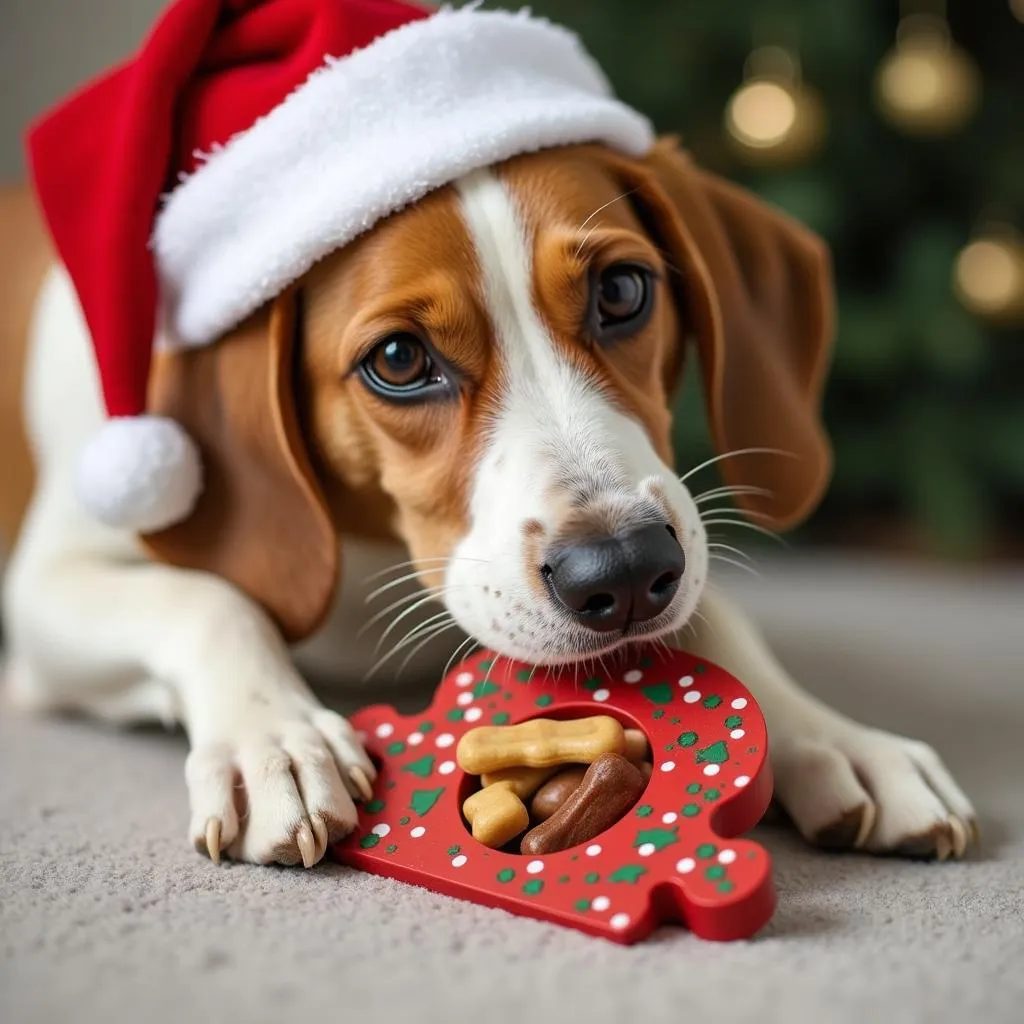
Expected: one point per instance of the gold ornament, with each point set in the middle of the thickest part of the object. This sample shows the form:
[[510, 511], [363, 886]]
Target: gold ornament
[[927, 85], [988, 276], [773, 118]]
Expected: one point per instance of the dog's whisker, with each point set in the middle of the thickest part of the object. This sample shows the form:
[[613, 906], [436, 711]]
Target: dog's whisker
[[733, 454], [739, 565], [748, 526], [433, 635], [749, 513], [732, 492], [402, 615], [433, 592], [414, 634], [719, 546], [425, 562], [451, 661], [596, 213]]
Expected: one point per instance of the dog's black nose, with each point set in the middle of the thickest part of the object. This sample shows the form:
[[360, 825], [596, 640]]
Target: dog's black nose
[[631, 577]]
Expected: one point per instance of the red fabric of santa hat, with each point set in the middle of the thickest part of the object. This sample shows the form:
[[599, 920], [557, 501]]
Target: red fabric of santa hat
[[246, 140]]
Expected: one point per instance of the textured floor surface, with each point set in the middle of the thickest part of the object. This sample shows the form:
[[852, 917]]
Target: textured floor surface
[[107, 915]]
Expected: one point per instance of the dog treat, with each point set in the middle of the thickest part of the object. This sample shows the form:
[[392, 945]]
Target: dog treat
[[556, 791], [637, 749], [539, 744], [646, 770], [609, 788], [496, 815], [525, 781]]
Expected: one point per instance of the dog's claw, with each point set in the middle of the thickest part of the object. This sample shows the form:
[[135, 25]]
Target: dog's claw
[[961, 838], [307, 845], [321, 834], [362, 783], [213, 839]]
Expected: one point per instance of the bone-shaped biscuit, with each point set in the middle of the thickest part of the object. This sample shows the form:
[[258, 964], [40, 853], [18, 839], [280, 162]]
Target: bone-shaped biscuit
[[496, 815], [525, 781], [610, 787], [637, 748], [556, 791], [539, 744]]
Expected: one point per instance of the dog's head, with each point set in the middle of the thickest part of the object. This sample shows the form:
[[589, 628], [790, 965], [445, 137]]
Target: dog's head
[[488, 375]]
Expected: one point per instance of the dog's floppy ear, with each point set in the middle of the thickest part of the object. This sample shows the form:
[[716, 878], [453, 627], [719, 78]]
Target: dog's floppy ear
[[261, 522], [757, 292]]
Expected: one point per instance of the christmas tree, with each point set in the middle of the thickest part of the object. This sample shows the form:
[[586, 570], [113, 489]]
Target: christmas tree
[[901, 143]]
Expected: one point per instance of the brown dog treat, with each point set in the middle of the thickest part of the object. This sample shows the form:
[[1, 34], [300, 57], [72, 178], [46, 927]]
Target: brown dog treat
[[556, 791], [609, 788], [525, 781], [637, 748], [646, 770], [539, 743], [496, 815]]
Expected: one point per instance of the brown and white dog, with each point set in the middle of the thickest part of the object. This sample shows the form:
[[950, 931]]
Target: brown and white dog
[[480, 384]]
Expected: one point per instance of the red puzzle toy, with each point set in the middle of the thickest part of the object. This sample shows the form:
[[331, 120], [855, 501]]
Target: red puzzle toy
[[672, 858]]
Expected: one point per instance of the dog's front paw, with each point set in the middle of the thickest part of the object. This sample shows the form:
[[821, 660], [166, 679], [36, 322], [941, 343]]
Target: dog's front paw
[[277, 788], [850, 787]]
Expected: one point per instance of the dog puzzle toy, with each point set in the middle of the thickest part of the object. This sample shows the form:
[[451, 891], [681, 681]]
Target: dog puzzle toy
[[675, 854]]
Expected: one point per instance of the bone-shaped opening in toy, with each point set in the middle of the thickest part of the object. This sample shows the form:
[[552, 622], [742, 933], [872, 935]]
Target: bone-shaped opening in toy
[[557, 779]]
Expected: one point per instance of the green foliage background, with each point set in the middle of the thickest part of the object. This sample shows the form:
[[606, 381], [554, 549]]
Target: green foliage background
[[926, 403]]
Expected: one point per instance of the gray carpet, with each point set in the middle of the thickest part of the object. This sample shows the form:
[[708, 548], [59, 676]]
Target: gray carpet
[[107, 915]]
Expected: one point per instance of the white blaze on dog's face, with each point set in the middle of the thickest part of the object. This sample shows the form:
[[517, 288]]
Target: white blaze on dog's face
[[580, 534], [505, 350]]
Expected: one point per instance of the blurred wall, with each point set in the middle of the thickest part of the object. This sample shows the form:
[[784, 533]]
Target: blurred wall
[[48, 47]]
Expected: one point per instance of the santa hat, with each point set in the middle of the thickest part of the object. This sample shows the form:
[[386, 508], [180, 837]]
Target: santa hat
[[246, 140]]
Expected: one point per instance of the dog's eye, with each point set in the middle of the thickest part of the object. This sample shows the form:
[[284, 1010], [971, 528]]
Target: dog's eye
[[400, 366], [623, 298]]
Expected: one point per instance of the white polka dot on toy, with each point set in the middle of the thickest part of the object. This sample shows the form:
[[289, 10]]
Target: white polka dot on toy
[[739, 703], [464, 679], [384, 730], [691, 696], [686, 865], [600, 903], [474, 715], [668, 766], [415, 739], [381, 830], [457, 862], [619, 921], [742, 780], [446, 768], [686, 681], [535, 867], [601, 695], [737, 734], [594, 850], [464, 698], [646, 849], [418, 831], [446, 739], [634, 675], [726, 856], [711, 769], [669, 816]]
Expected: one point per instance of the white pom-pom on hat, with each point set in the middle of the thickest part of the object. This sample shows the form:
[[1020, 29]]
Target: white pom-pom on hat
[[140, 473]]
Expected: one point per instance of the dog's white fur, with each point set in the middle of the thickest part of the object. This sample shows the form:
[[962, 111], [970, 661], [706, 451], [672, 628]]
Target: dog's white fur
[[92, 624]]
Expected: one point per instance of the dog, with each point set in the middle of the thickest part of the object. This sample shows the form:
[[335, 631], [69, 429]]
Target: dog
[[465, 409]]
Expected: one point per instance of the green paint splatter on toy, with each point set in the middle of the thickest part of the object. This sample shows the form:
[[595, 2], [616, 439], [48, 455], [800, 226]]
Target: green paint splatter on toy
[[375, 805], [706, 850], [582, 904], [524, 675], [506, 875], [725, 886], [454, 850], [659, 838], [591, 877], [691, 810], [646, 663], [669, 746], [693, 787], [712, 702], [716, 753], [485, 689], [751, 750], [486, 666], [396, 748], [658, 693], [507, 695], [404, 819], [733, 722], [628, 873], [659, 714], [700, 669], [687, 739], [391, 784], [675, 721], [592, 684], [455, 715], [426, 727], [424, 799], [564, 878], [501, 718], [534, 886], [644, 811], [391, 848], [715, 871], [544, 700], [421, 767], [575, 856], [369, 841], [712, 794]]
